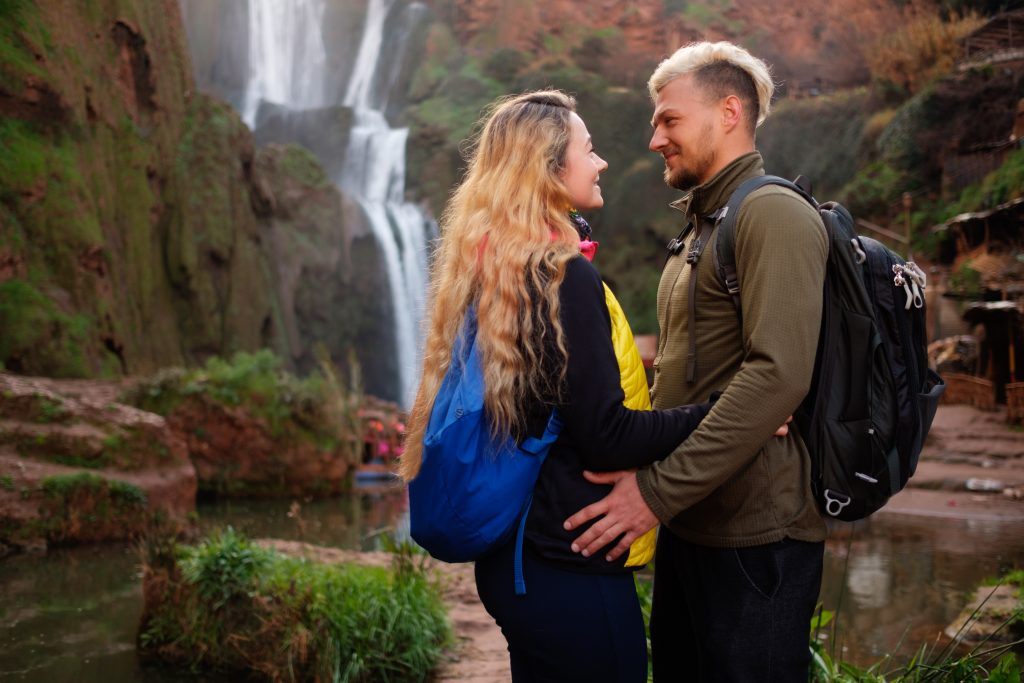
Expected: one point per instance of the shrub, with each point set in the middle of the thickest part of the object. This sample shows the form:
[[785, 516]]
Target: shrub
[[318, 408], [925, 47], [229, 605]]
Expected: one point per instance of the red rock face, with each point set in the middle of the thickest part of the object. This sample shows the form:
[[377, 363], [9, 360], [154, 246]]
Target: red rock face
[[236, 453], [805, 41]]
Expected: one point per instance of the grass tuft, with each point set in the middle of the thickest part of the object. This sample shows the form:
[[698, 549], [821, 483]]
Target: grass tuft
[[229, 605]]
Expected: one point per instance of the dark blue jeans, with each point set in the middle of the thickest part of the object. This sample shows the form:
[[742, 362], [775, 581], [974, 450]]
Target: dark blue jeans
[[733, 614], [570, 626]]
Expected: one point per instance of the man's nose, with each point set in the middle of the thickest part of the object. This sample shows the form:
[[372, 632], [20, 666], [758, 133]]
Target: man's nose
[[657, 141]]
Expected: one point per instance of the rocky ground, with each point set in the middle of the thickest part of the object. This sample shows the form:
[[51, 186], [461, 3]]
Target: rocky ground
[[972, 467]]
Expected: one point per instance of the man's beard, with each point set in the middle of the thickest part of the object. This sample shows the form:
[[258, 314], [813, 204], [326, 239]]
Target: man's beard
[[690, 176]]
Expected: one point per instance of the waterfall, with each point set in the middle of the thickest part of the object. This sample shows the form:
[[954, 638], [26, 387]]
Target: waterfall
[[374, 173], [289, 66], [286, 55]]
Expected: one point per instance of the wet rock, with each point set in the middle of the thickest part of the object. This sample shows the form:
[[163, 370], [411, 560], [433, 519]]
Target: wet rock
[[988, 617], [77, 466]]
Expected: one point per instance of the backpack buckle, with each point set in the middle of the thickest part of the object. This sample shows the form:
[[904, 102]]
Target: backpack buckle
[[694, 253], [835, 502], [732, 284]]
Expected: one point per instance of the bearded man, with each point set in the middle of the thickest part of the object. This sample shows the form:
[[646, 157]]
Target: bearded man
[[739, 560]]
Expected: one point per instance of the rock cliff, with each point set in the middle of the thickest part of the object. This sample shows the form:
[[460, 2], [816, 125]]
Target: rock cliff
[[140, 225]]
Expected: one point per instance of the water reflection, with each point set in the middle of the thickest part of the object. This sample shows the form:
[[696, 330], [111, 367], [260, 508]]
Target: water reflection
[[355, 522], [897, 579]]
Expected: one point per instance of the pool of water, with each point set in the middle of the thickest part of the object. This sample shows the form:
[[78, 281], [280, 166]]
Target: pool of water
[[70, 615], [902, 579]]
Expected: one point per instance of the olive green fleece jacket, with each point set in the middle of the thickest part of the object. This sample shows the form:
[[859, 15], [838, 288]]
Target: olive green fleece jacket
[[732, 483]]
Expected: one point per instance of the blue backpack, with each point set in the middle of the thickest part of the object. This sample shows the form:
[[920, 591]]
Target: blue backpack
[[473, 490]]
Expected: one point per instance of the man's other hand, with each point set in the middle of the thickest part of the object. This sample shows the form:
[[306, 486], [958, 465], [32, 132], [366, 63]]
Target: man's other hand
[[625, 512]]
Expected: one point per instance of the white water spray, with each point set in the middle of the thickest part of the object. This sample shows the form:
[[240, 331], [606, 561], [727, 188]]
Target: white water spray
[[374, 173], [286, 55], [288, 66]]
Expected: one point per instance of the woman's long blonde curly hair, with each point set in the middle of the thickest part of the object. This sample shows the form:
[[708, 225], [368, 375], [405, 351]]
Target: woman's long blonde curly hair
[[505, 241]]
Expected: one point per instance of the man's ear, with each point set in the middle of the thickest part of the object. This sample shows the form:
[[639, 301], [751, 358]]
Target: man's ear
[[732, 112]]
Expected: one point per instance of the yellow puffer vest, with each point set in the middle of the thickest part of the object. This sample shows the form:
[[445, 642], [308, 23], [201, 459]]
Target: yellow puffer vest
[[634, 385]]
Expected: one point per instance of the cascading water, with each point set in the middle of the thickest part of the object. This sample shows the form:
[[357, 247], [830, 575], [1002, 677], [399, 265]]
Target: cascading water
[[289, 67], [286, 55], [374, 174]]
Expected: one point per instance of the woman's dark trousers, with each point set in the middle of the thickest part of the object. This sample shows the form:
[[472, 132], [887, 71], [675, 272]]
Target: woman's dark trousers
[[570, 626]]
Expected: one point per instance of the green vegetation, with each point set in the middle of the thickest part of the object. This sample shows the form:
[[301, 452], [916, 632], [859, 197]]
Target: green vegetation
[[38, 337], [68, 486], [300, 164], [319, 410], [1014, 577], [312, 408], [7, 482], [1002, 185], [83, 507], [231, 606], [839, 126], [924, 47]]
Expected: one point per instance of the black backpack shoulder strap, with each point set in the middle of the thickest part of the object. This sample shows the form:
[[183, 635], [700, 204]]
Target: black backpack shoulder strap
[[725, 239], [708, 224]]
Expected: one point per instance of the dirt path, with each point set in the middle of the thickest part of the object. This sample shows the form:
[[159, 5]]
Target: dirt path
[[972, 467]]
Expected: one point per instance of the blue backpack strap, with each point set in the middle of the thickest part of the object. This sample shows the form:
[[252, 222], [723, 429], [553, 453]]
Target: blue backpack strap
[[539, 447], [517, 567]]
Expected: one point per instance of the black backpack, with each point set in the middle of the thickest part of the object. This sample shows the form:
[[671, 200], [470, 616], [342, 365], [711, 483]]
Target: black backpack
[[873, 396]]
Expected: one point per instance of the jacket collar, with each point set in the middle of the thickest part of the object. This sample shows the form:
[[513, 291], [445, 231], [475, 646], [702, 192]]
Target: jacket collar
[[705, 199]]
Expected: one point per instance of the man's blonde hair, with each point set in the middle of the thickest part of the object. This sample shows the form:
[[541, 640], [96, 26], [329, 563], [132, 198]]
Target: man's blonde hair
[[720, 67]]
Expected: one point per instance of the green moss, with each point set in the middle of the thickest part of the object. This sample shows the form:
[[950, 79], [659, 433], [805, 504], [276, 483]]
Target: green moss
[[218, 606], [18, 24], [300, 164], [67, 486], [50, 411], [39, 338], [7, 482]]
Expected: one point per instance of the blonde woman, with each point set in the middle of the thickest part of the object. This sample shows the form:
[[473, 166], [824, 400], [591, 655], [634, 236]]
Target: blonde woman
[[545, 328]]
